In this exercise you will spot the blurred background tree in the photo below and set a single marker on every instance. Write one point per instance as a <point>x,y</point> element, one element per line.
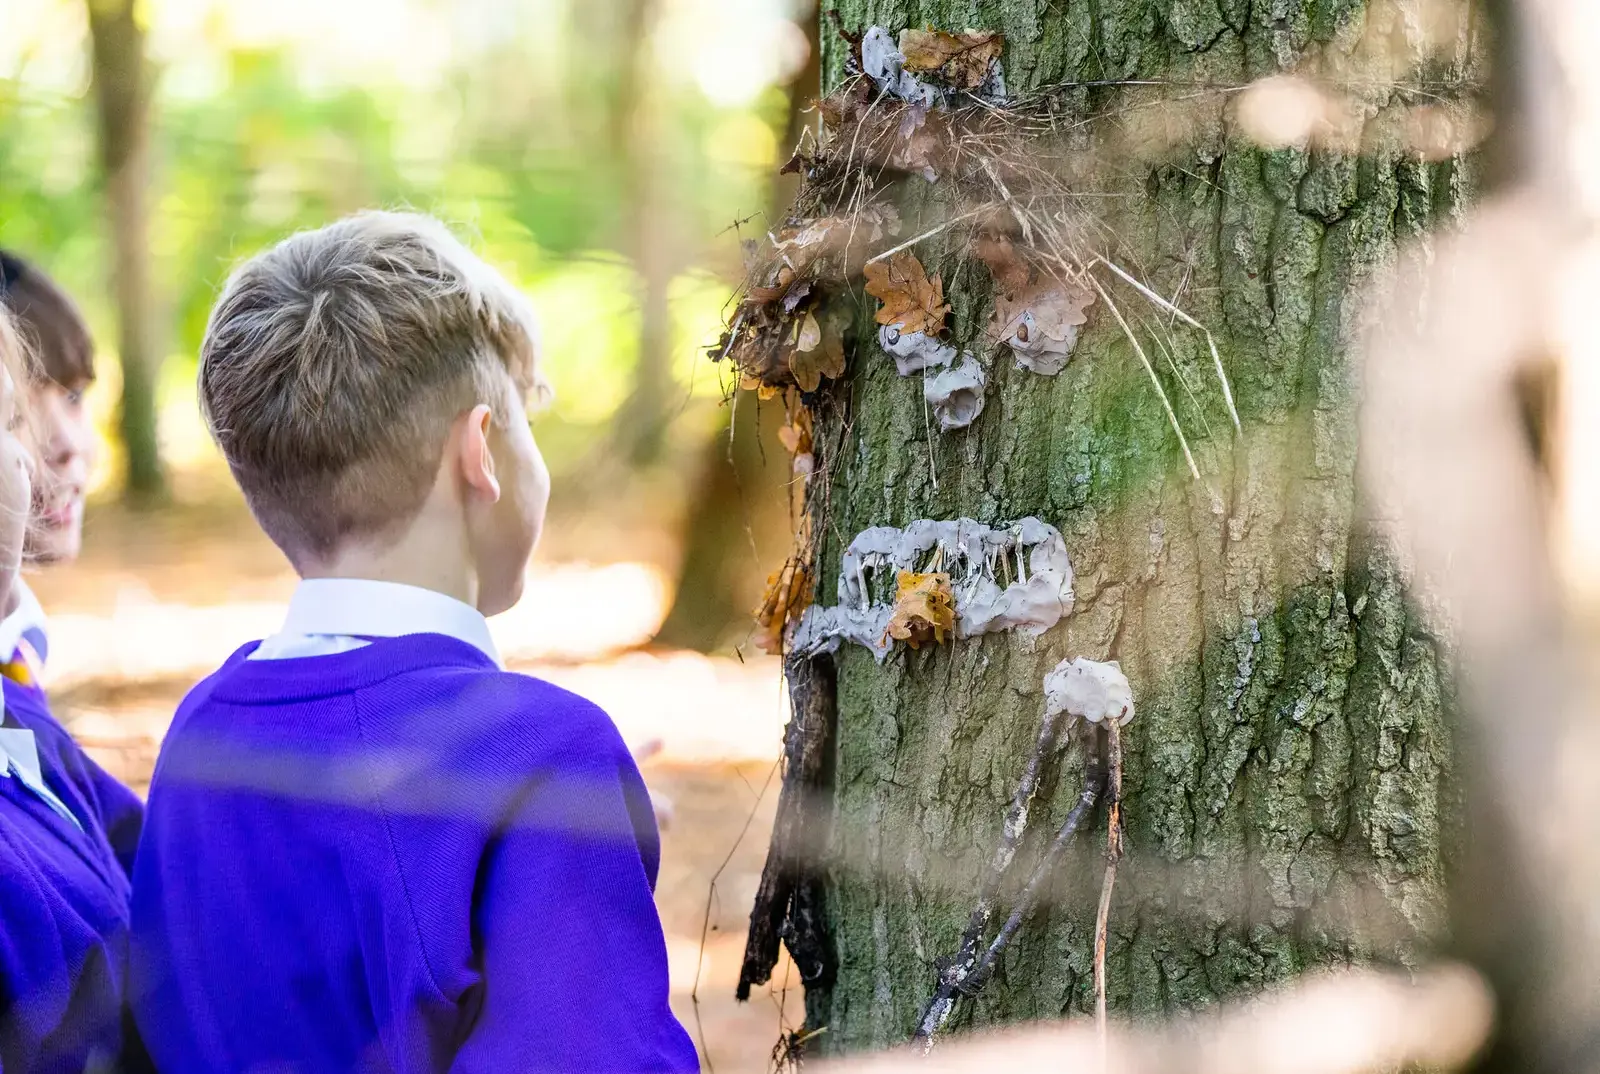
<point>122,90</point>
<point>609,155</point>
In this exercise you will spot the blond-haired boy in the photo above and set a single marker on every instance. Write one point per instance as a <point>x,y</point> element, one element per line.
<point>368,846</point>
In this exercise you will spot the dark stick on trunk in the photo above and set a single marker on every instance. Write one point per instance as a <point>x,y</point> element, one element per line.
<point>788,903</point>
<point>1011,831</point>
<point>970,982</point>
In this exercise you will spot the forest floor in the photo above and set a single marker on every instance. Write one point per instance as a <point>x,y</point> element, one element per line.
<point>159,599</point>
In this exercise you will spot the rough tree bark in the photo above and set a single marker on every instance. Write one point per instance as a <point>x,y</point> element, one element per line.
<point>122,85</point>
<point>1289,796</point>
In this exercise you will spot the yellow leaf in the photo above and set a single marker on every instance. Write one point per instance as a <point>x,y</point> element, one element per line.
<point>924,608</point>
<point>788,594</point>
<point>831,364</point>
<point>751,383</point>
<point>824,358</point>
<point>796,433</point>
<point>808,333</point>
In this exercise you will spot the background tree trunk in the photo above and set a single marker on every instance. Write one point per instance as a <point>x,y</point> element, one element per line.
<point>739,516</point>
<point>641,421</point>
<point>742,503</point>
<point>1289,790</point>
<point>122,86</point>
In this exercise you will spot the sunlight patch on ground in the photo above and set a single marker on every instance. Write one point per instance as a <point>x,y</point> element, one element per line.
<point>702,709</point>
<point>569,612</point>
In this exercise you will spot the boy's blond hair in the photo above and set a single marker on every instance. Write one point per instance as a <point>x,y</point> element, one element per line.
<point>335,363</point>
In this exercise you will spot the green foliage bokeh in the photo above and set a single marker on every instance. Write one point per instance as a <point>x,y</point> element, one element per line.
<point>517,145</point>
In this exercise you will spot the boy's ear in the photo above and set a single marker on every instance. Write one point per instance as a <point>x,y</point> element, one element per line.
<point>477,460</point>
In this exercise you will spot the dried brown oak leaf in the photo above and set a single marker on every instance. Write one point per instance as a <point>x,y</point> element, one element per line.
<point>918,145</point>
<point>1056,307</point>
<point>788,594</point>
<point>804,243</point>
<point>847,104</point>
<point>910,299</point>
<point>960,59</point>
<point>818,352</point>
<point>782,283</point>
<point>796,432</point>
<point>924,608</point>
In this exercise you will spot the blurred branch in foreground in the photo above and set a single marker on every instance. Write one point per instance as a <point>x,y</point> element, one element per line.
<point>1341,1023</point>
<point>1487,501</point>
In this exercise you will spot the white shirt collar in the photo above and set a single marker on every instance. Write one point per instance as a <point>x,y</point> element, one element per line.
<point>360,608</point>
<point>27,616</point>
<point>19,751</point>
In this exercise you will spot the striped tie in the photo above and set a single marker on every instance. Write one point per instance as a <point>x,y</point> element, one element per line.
<point>23,668</point>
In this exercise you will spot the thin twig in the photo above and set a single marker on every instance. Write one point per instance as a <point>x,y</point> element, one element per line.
<point>705,924</point>
<point>1113,855</point>
<point>1166,404</point>
<point>1016,210</point>
<point>1093,785</point>
<point>733,334</point>
<point>930,233</point>
<point>1216,358</point>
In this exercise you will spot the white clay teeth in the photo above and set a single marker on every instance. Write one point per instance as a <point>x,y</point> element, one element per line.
<point>1015,576</point>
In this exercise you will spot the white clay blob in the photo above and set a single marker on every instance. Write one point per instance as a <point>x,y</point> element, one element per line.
<point>913,351</point>
<point>1089,689</point>
<point>884,63</point>
<point>956,394</point>
<point>1040,353</point>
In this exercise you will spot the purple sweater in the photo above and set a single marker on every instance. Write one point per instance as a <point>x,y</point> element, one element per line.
<point>63,904</point>
<point>398,858</point>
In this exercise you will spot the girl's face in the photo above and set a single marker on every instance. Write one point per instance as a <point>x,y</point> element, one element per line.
<point>65,450</point>
<point>16,485</point>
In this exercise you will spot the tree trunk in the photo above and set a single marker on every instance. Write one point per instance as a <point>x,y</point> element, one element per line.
<point>734,533</point>
<point>1289,790</point>
<point>742,498</point>
<point>122,85</point>
<point>641,421</point>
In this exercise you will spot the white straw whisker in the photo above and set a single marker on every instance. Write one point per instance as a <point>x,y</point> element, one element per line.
<point>1183,441</point>
<point>1211,343</point>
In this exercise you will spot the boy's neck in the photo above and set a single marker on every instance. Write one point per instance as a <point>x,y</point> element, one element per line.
<point>417,559</point>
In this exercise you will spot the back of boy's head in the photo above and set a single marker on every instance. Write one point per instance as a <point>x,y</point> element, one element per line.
<point>59,346</point>
<point>335,363</point>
